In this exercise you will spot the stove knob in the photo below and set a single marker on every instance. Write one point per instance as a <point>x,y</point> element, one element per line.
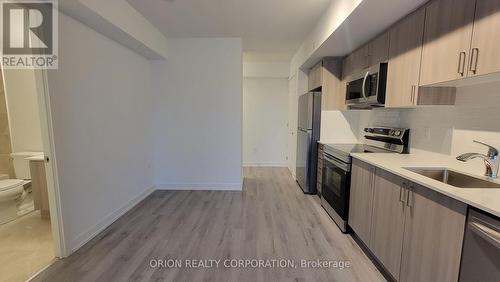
<point>397,133</point>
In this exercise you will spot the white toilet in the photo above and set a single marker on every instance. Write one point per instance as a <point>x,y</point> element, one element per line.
<point>11,190</point>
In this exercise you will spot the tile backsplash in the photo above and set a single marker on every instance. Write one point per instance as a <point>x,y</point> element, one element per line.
<point>451,130</point>
<point>448,130</point>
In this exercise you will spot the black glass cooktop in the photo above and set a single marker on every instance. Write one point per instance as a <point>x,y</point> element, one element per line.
<point>343,151</point>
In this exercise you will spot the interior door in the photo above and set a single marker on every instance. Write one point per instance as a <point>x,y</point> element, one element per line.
<point>447,37</point>
<point>388,217</point>
<point>485,38</point>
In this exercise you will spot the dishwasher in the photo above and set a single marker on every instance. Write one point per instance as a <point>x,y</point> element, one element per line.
<point>481,251</point>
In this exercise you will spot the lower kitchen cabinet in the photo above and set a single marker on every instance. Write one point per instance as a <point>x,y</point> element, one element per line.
<point>360,199</point>
<point>414,232</point>
<point>388,219</point>
<point>434,232</point>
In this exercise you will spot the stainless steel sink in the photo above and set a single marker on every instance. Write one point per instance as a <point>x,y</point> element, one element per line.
<point>454,178</point>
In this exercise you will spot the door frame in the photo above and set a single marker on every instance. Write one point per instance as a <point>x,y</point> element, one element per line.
<point>54,192</point>
<point>45,117</point>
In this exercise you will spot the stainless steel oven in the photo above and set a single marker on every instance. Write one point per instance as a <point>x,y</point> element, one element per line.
<point>336,167</point>
<point>366,88</point>
<point>335,189</point>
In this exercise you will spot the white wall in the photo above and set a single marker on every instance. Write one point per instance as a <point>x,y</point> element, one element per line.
<point>265,108</point>
<point>118,20</point>
<point>101,109</point>
<point>198,115</point>
<point>23,110</point>
<point>265,113</point>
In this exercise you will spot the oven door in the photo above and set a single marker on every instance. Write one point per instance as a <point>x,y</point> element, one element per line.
<point>335,188</point>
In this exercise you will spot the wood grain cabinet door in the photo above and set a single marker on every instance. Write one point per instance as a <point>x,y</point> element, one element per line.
<point>484,57</point>
<point>361,199</point>
<point>447,37</point>
<point>314,79</point>
<point>378,50</point>
<point>332,97</point>
<point>388,217</point>
<point>434,231</point>
<point>405,54</point>
<point>355,61</point>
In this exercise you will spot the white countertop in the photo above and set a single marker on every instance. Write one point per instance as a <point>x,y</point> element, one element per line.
<point>486,199</point>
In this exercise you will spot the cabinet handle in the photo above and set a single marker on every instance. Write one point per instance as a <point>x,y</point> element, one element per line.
<point>402,195</point>
<point>409,197</point>
<point>461,63</point>
<point>473,60</point>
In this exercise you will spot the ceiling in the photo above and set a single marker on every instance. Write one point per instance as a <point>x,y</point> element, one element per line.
<point>264,25</point>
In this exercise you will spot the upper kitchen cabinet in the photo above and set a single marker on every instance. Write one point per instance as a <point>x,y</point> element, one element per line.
<point>378,50</point>
<point>355,61</point>
<point>315,78</point>
<point>370,54</point>
<point>326,77</point>
<point>484,58</point>
<point>447,35</point>
<point>405,53</point>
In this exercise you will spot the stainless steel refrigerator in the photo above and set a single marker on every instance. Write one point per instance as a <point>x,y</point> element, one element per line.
<point>309,119</point>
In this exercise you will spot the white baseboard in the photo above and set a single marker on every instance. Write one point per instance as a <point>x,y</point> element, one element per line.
<point>107,220</point>
<point>264,165</point>
<point>201,187</point>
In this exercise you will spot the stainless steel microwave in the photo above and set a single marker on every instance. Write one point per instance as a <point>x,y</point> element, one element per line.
<point>366,89</point>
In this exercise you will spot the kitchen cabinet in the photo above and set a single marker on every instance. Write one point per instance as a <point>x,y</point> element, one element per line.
<point>378,50</point>
<point>387,225</point>
<point>370,54</point>
<point>447,36</point>
<point>314,81</point>
<point>332,97</point>
<point>405,53</point>
<point>415,233</point>
<point>326,77</point>
<point>484,57</point>
<point>360,199</point>
<point>355,61</point>
<point>434,232</point>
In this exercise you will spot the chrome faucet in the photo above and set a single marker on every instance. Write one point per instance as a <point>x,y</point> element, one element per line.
<point>490,159</point>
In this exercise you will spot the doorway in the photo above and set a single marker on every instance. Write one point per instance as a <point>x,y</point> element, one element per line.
<point>30,234</point>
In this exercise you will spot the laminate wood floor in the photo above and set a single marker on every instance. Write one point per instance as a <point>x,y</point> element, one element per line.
<point>270,219</point>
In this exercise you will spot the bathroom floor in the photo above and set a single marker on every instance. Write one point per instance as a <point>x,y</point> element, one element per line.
<point>26,247</point>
